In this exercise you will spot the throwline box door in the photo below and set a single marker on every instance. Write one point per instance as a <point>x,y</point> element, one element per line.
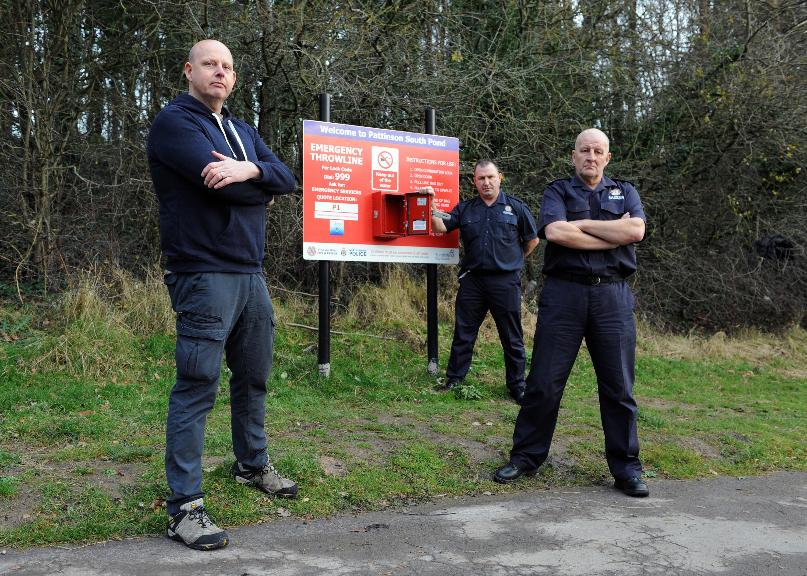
<point>397,214</point>
<point>418,214</point>
<point>389,214</point>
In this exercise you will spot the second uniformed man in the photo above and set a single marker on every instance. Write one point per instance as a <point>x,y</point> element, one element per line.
<point>498,232</point>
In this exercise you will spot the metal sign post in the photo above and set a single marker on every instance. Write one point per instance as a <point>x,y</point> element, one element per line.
<point>431,282</point>
<point>324,346</point>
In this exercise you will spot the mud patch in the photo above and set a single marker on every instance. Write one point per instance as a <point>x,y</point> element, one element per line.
<point>663,404</point>
<point>332,467</point>
<point>701,448</point>
<point>377,447</point>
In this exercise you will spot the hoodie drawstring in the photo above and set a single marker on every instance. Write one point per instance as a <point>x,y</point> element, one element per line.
<point>238,138</point>
<point>235,133</point>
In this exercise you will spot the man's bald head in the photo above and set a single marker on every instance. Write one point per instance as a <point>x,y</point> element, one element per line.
<point>591,155</point>
<point>201,46</point>
<point>210,73</point>
<point>590,134</point>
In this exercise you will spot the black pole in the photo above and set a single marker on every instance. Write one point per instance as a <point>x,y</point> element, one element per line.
<point>431,282</point>
<point>324,346</point>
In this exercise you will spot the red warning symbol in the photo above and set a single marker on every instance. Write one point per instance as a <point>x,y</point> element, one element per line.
<point>385,159</point>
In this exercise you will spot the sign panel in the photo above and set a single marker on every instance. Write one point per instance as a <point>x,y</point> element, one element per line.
<point>346,168</point>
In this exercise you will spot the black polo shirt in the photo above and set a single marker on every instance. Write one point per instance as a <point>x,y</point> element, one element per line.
<point>570,199</point>
<point>493,236</point>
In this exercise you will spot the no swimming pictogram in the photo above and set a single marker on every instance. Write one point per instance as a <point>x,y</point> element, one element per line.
<point>385,160</point>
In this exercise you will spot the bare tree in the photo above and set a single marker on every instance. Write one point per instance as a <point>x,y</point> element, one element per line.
<point>704,101</point>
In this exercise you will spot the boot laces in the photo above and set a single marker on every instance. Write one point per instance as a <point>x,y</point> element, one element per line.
<point>268,469</point>
<point>200,516</point>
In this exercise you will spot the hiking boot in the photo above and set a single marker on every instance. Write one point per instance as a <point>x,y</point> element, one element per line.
<point>193,527</point>
<point>267,479</point>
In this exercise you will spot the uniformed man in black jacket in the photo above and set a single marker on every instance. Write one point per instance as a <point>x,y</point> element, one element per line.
<point>498,232</point>
<point>590,223</point>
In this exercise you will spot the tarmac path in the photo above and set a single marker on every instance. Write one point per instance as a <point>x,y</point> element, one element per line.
<point>726,526</point>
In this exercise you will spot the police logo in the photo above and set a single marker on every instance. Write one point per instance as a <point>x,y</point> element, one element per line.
<point>508,209</point>
<point>615,194</point>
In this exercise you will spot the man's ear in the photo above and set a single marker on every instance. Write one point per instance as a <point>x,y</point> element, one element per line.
<point>187,69</point>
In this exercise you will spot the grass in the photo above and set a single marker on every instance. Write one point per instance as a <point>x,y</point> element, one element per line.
<point>84,383</point>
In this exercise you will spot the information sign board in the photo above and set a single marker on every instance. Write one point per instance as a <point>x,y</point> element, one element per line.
<point>344,166</point>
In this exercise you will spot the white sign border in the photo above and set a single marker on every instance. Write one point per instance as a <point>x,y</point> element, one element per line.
<point>379,253</point>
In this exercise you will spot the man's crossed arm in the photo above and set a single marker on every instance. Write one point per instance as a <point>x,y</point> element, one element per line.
<point>596,234</point>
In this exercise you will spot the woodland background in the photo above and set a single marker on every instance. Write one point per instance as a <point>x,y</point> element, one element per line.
<point>705,102</point>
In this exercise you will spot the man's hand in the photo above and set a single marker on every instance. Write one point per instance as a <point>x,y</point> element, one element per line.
<point>437,223</point>
<point>529,246</point>
<point>227,171</point>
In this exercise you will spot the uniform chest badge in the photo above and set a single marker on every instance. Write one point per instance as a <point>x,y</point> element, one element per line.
<point>508,209</point>
<point>615,194</point>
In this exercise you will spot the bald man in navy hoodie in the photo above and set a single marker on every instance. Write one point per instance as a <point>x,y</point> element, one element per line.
<point>214,177</point>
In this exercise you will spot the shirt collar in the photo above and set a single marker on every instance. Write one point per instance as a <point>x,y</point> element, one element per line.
<point>502,199</point>
<point>606,182</point>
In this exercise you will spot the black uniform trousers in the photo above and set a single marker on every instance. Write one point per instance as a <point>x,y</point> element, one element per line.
<point>499,293</point>
<point>603,315</point>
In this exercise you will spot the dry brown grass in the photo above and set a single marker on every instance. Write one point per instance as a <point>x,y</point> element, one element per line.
<point>117,298</point>
<point>103,309</point>
<point>399,301</point>
<point>750,346</point>
<point>97,318</point>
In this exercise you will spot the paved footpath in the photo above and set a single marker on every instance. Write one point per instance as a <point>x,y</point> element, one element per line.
<point>727,526</point>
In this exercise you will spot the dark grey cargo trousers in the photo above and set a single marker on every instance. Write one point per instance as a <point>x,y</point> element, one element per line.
<point>217,313</point>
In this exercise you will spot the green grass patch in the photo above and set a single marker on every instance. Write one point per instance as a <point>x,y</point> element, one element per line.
<point>8,486</point>
<point>8,459</point>
<point>665,457</point>
<point>86,385</point>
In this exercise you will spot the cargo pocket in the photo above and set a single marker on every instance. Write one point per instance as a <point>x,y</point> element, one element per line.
<point>200,346</point>
<point>170,280</point>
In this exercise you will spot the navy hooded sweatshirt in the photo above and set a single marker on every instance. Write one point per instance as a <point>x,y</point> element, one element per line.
<point>203,229</point>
